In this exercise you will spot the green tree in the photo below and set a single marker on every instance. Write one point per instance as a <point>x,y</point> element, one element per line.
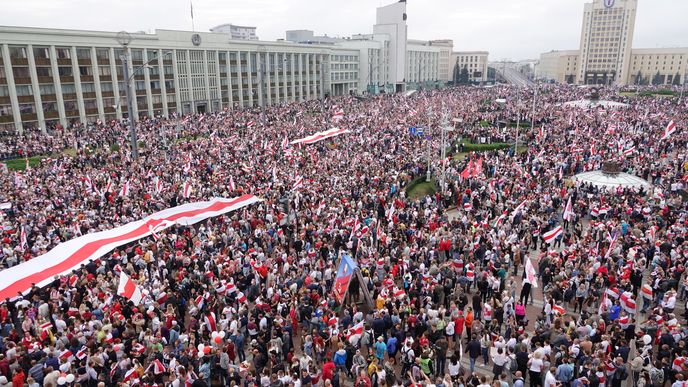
<point>677,80</point>
<point>464,75</point>
<point>658,79</point>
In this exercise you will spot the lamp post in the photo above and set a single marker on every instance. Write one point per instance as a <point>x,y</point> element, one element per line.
<point>518,122</point>
<point>123,38</point>
<point>428,139</point>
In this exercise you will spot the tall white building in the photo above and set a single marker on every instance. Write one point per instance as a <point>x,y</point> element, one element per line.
<point>391,22</point>
<point>236,32</point>
<point>605,41</point>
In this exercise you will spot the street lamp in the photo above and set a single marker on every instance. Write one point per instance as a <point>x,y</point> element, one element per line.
<point>123,38</point>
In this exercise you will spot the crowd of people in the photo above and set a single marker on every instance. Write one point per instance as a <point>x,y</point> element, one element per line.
<point>472,285</point>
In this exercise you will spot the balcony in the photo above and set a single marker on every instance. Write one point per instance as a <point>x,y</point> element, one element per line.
<point>22,81</point>
<point>108,94</point>
<point>64,61</point>
<point>48,98</point>
<point>90,95</point>
<point>108,109</point>
<point>20,61</point>
<point>69,96</point>
<point>87,78</point>
<point>51,114</point>
<point>103,61</point>
<point>5,119</point>
<point>156,91</point>
<point>85,62</point>
<point>92,111</point>
<point>48,80</point>
<point>66,79</point>
<point>42,61</point>
<point>5,100</point>
<point>72,113</point>
<point>25,98</point>
<point>29,117</point>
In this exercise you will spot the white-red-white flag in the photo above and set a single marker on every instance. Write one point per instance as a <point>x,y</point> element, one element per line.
<point>531,274</point>
<point>232,186</point>
<point>124,191</point>
<point>670,129</point>
<point>128,289</point>
<point>552,234</point>
<point>186,190</point>
<point>23,244</point>
<point>568,211</point>
<point>298,183</point>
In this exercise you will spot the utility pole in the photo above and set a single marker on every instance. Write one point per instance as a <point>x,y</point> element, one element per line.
<point>443,152</point>
<point>429,140</point>
<point>532,116</point>
<point>518,123</point>
<point>124,39</point>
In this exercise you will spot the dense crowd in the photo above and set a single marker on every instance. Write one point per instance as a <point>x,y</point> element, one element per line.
<point>444,295</point>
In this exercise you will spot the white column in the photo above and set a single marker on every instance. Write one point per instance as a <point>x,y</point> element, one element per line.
<point>119,99</point>
<point>219,77</point>
<point>95,67</point>
<point>146,79</point>
<point>16,114</point>
<point>292,60</point>
<point>268,78</point>
<point>58,87</point>
<point>276,69</point>
<point>250,77</point>
<point>192,98</point>
<point>206,76</point>
<point>36,90</point>
<point>241,81</point>
<point>284,77</point>
<point>77,85</point>
<point>230,96</point>
<point>307,67</point>
<point>301,65</point>
<point>177,87</point>
<point>163,87</point>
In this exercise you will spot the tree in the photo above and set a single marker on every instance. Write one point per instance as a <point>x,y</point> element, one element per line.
<point>677,79</point>
<point>457,72</point>
<point>464,75</point>
<point>658,79</point>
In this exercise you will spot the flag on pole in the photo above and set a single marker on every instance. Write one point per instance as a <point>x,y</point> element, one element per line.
<point>670,129</point>
<point>128,289</point>
<point>568,211</point>
<point>232,186</point>
<point>124,191</point>
<point>187,189</point>
<point>531,274</point>
<point>298,183</point>
<point>23,244</point>
<point>344,274</point>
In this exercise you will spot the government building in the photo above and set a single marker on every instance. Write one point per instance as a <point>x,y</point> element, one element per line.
<point>52,76</point>
<point>605,55</point>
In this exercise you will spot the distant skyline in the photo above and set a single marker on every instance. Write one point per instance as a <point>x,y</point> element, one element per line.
<point>508,29</point>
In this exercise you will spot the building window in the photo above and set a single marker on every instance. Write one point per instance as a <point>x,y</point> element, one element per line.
<point>47,89</point>
<point>17,52</point>
<point>63,53</point>
<point>83,53</point>
<point>41,53</point>
<point>102,53</point>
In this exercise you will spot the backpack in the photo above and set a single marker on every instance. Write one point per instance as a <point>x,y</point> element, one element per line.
<point>621,373</point>
<point>512,365</point>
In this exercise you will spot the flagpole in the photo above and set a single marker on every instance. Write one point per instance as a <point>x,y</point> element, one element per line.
<point>193,28</point>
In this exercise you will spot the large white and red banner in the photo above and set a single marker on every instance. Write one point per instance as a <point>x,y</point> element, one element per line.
<point>70,255</point>
<point>320,136</point>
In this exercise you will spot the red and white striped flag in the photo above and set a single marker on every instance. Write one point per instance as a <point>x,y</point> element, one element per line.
<point>108,186</point>
<point>186,190</point>
<point>124,191</point>
<point>670,129</point>
<point>157,185</point>
<point>298,183</point>
<point>552,234</point>
<point>232,186</point>
<point>241,297</point>
<point>558,309</point>
<point>646,291</point>
<point>568,211</point>
<point>128,289</point>
<point>66,355</point>
<point>23,243</point>
<point>82,353</point>
<point>157,366</point>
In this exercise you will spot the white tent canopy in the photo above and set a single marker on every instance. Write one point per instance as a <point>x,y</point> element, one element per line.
<point>601,179</point>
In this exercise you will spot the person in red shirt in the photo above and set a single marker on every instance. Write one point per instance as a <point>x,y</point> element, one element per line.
<point>363,380</point>
<point>19,378</point>
<point>459,323</point>
<point>328,370</point>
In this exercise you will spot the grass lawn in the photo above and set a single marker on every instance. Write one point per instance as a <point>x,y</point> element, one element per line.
<point>422,189</point>
<point>20,164</point>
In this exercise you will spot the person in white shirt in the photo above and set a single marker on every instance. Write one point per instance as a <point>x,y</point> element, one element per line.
<point>550,380</point>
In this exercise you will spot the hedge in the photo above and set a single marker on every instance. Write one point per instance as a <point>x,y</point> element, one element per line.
<point>20,164</point>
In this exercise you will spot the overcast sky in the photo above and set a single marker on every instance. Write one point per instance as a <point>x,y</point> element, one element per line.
<point>514,29</point>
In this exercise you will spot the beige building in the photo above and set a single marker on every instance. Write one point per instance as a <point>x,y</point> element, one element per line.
<point>605,55</point>
<point>658,66</point>
<point>475,62</point>
<point>446,67</point>
<point>605,41</point>
<point>558,66</point>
